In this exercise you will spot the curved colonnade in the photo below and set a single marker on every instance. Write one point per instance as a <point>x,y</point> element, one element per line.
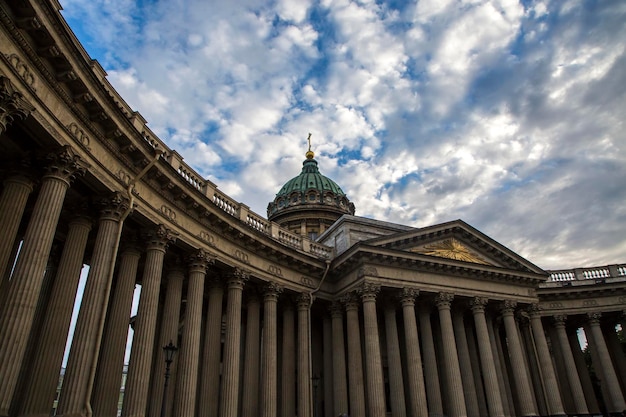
<point>267,322</point>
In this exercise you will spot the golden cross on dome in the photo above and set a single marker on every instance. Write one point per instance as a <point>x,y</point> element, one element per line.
<point>309,140</point>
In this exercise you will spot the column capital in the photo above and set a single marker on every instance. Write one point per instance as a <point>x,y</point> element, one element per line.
<point>350,301</point>
<point>559,320</point>
<point>507,307</point>
<point>368,291</point>
<point>159,238</point>
<point>594,318</point>
<point>534,311</point>
<point>200,261</point>
<point>478,304</point>
<point>444,300</point>
<point>303,301</point>
<point>271,291</point>
<point>237,278</point>
<point>336,309</point>
<point>13,105</point>
<point>64,164</point>
<point>113,206</point>
<point>408,295</point>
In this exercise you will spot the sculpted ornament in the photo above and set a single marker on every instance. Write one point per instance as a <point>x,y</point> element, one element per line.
<point>65,163</point>
<point>13,106</point>
<point>369,271</point>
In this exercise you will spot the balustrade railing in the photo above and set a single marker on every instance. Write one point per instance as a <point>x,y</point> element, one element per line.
<point>593,273</point>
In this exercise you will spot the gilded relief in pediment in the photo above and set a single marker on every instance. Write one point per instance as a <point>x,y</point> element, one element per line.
<point>451,249</point>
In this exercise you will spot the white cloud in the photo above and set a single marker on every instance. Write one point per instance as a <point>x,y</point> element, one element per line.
<point>507,115</point>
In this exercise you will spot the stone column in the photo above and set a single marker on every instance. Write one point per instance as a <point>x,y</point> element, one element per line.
<point>210,380</point>
<point>48,356</point>
<point>327,382</point>
<point>501,371</point>
<point>22,295</point>
<point>578,395</point>
<point>356,390</point>
<point>532,365</point>
<point>548,375</point>
<point>89,326</point>
<point>451,358</point>
<point>615,403</point>
<point>139,368</point>
<point>467,376</point>
<point>189,359</point>
<point>431,372</point>
<point>520,376</point>
<point>106,393</point>
<point>487,360</point>
<point>373,360</point>
<point>416,391</point>
<point>250,397</point>
<point>476,370</point>
<point>303,352</point>
<point>13,200</point>
<point>553,396</point>
<point>616,352</point>
<point>340,383</point>
<point>288,379</point>
<point>229,401</point>
<point>396,382</point>
<point>170,321</point>
<point>269,361</point>
<point>583,370</point>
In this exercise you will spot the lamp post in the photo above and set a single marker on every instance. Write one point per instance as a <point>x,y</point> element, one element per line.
<point>169,351</point>
<point>316,382</point>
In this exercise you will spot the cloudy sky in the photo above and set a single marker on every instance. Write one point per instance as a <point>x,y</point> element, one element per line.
<point>508,115</point>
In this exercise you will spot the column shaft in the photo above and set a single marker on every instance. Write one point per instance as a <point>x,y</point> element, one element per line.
<point>616,400</point>
<point>210,381</point>
<point>417,392</point>
<point>373,360</point>
<point>48,356</point>
<point>304,402</point>
<point>520,376</point>
<point>356,389</point>
<point>189,359</point>
<point>22,294</point>
<point>340,383</point>
<point>396,382</point>
<point>431,372</point>
<point>139,368</point>
<point>250,400</point>
<point>229,401</point>
<point>111,363</point>
<point>269,361</point>
<point>578,395</point>
<point>13,200</point>
<point>327,382</point>
<point>583,370</point>
<point>452,368</point>
<point>288,379</point>
<point>467,377</point>
<point>79,372</point>
<point>553,396</point>
<point>487,360</point>
<point>168,332</point>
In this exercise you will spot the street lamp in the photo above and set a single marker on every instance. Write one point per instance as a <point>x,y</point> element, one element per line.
<point>316,383</point>
<point>169,351</point>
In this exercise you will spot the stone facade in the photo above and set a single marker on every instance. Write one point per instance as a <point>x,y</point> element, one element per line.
<point>373,319</point>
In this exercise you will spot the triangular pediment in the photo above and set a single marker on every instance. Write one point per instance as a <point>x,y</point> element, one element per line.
<point>451,248</point>
<point>456,241</point>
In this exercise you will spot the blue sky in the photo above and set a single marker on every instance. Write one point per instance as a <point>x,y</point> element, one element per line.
<point>508,115</point>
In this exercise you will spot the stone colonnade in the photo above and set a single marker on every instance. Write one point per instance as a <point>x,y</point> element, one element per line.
<point>246,346</point>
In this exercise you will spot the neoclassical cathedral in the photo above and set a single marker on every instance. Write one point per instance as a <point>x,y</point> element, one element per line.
<point>310,312</point>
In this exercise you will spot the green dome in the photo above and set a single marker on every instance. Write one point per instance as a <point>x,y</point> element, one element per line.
<point>310,191</point>
<point>310,178</point>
